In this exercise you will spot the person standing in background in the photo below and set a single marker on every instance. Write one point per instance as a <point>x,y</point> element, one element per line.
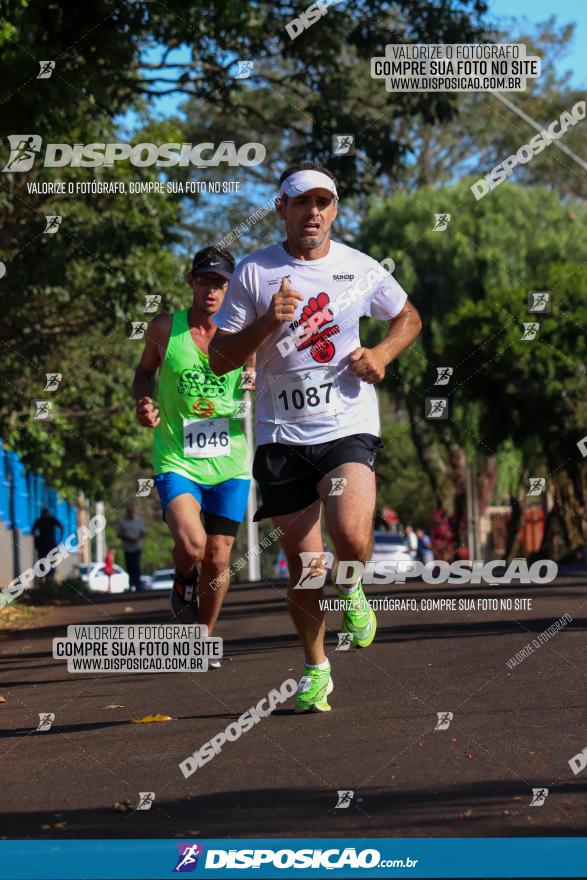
<point>412,540</point>
<point>425,554</point>
<point>131,531</point>
<point>109,566</point>
<point>44,532</point>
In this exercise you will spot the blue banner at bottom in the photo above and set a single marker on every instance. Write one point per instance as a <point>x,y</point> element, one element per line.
<point>471,857</point>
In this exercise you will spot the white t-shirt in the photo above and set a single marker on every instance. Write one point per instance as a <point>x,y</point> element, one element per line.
<point>306,392</point>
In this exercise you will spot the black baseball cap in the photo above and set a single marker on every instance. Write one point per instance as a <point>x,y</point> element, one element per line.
<point>212,263</point>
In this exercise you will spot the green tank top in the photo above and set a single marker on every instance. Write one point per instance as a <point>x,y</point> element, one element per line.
<point>190,395</point>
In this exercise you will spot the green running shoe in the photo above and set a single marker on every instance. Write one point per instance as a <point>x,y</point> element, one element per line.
<point>313,689</point>
<point>358,617</point>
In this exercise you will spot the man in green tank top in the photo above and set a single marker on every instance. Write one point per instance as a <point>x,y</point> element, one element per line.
<point>200,456</point>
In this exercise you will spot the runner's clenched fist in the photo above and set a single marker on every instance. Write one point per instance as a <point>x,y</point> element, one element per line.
<point>368,365</point>
<point>284,303</point>
<point>146,413</point>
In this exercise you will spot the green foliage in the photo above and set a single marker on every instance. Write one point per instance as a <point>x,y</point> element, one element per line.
<point>69,300</point>
<point>69,591</point>
<point>401,483</point>
<point>470,284</point>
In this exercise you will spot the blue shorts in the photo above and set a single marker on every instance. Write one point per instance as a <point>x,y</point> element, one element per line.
<point>224,501</point>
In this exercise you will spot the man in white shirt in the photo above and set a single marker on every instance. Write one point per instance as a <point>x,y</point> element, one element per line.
<point>298,305</point>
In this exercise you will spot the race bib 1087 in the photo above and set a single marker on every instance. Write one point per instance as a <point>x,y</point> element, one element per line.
<point>305,393</point>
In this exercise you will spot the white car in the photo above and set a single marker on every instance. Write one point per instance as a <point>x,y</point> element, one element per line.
<point>93,575</point>
<point>387,546</point>
<point>160,580</point>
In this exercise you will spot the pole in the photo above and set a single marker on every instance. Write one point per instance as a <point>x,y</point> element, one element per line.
<point>472,512</point>
<point>84,552</point>
<point>252,527</point>
<point>100,537</point>
<point>476,542</point>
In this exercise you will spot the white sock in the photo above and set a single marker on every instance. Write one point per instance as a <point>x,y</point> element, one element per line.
<point>324,665</point>
<point>347,590</point>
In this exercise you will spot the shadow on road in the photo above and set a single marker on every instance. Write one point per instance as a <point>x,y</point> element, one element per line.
<point>482,808</point>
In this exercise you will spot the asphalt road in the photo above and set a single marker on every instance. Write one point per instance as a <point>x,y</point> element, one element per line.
<point>512,729</point>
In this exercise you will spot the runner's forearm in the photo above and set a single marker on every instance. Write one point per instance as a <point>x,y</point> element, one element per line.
<point>229,351</point>
<point>143,384</point>
<point>400,335</point>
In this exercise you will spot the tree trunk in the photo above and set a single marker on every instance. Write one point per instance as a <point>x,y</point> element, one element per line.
<point>434,462</point>
<point>518,506</point>
<point>570,494</point>
<point>486,480</point>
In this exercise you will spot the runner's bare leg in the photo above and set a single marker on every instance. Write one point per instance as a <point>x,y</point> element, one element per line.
<point>193,545</point>
<point>183,518</point>
<point>349,516</point>
<point>302,532</point>
<point>215,565</point>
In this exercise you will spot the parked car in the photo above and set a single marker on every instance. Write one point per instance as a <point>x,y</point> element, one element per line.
<point>146,581</point>
<point>95,577</point>
<point>388,545</point>
<point>161,580</point>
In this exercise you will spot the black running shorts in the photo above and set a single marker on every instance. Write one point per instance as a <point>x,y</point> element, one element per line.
<point>288,474</point>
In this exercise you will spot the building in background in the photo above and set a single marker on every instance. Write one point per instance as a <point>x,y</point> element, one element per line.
<point>22,497</point>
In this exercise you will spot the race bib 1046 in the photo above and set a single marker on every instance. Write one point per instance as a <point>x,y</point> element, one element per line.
<point>205,438</point>
<point>306,393</point>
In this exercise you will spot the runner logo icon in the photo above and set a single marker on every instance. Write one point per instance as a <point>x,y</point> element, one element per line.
<point>23,149</point>
<point>188,854</point>
<point>314,569</point>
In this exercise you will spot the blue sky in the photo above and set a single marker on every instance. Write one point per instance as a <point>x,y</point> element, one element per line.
<point>540,10</point>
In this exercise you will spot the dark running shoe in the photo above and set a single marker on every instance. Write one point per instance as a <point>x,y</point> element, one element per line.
<point>184,596</point>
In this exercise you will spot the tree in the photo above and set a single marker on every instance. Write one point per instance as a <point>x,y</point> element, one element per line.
<point>483,132</point>
<point>471,285</point>
<point>400,481</point>
<point>68,299</point>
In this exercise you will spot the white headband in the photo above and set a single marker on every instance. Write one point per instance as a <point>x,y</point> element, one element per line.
<point>301,181</point>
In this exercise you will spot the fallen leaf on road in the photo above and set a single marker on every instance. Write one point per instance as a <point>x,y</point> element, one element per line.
<point>149,718</point>
<point>2,699</point>
<point>114,706</point>
<point>517,797</point>
<point>54,826</point>
<point>128,608</point>
<point>469,755</point>
<point>123,806</point>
